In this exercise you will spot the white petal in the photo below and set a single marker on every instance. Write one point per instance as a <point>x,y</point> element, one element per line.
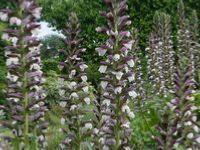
<point>102,69</point>
<point>87,100</point>
<point>104,84</point>
<point>132,94</point>
<point>84,78</point>
<point>131,63</point>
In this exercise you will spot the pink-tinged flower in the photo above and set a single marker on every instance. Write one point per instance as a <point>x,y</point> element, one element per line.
<point>15,21</point>
<point>101,51</point>
<point>129,45</point>
<point>5,36</point>
<point>37,12</point>
<point>83,67</point>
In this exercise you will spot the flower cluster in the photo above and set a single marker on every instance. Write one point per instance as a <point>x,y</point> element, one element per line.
<point>179,127</point>
<point>25,94</point>
<point>161,55</point>
<point>118,76</point>
<point>76,101</point>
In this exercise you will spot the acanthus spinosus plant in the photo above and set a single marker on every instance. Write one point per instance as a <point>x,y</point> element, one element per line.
<point>25,94</point>
<point>195,45</point>
<point>163,56</point>
<point>139,82</point>
<point>76,101</point>
<point>186,48</point>
<point>118,77</point>
<point>179,127</point>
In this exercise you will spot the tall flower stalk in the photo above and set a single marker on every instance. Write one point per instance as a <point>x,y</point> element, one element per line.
<point>139,82</point>
<point>25,94</point>
<point>195,45</point>
<point>118,77</point>
<point>76,101</point>
<point>186,48</point>
<point>161,54</point>
<point>179,127</point>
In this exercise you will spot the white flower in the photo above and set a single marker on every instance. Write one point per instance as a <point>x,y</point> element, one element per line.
<point>63,104</point>
<point>36,88</point>
<point>87,100</point>
<point>131,114</point>
<point>3,16</point>
<point>125,108</point>
<point>72,73</point>
<point>74,95</point>
<point>188,123</point>
<point>5,36</point>
<point>196,129</point>
<point>190,135</point>
<point>102,69</point>
<point>104,84</point>
<point>131,63</point>
<point>193,108</point>
<point>127,148</point>
<point>1,113</point>
<point>37,12</point>
<point>96,131</point>
<point>12,61</point>
<point>73,107</point>
<point>12,78</point>
<point>118,90</point>
<point>85,89</point>
<point>188,113</point>
<point>84,78</point>
<point>101,51</point>
<point>13,99</point>
<point>88,126</point>
<point>15,21</point>
<point>132,94</point>
<point>194,118</point>
<point>106,102</point>
<point>72,85</point>
<point>61,92</point>
<point>14,40</point>
<point>35,67</point>
<point>62,121</point>
<point>198,139</point>
<point>83,67</point>
<point>131,78</point>
<point>119,75</point>
<point>116,57</point>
